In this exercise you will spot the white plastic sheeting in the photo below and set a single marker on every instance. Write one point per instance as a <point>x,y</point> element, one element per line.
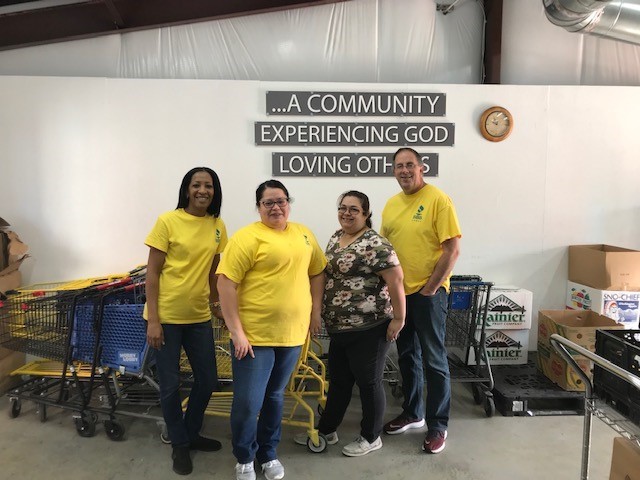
<point>397,41</point>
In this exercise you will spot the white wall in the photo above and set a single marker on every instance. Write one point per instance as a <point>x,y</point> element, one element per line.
<point>88,164</point>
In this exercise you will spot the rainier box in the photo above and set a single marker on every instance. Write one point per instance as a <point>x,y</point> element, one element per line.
<point>604,267</point>
<point>509,308</point>
<point>504,347</point>
<point>623,306</point>
<point>579,326</point>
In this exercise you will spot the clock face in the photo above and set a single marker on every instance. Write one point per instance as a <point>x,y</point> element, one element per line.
<point>497,124</point>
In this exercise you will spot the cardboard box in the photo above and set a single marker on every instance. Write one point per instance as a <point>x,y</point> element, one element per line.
<point>604,267</point>
<point>8,365</point>
<point>504,347</point>
<point>509,308</point>
<point>625,460</point>
<point>11,281</point>
<point>620,305</point>
<point>579,326</point>
<point>556,369</point>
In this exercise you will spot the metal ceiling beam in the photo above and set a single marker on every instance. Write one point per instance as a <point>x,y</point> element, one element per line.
<point>492,41</point>
<point>102,17</point>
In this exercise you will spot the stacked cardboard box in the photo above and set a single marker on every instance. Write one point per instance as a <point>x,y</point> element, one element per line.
<point>579,327</point>
<point>605,279</point>
<point>508,326</point>
<point>12,253</point>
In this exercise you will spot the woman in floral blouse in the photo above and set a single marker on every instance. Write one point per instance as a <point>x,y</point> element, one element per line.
<point>364,311</point>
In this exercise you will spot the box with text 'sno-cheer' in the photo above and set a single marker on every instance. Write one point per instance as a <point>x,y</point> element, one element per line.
<point>509,308</point>
<point>623,306</point>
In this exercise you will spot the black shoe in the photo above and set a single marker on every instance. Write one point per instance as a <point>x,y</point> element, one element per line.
<point>205,444</point>
<point>182,460</point>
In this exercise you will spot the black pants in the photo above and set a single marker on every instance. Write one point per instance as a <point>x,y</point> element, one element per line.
<point>357,357</point>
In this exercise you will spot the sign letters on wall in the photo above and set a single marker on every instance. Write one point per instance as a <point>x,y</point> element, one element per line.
<point>352,134</point>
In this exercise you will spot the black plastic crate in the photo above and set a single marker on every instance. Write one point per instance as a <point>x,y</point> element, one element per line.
<point>622,348</point>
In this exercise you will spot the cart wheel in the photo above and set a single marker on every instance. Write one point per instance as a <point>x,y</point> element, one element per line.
<point>42,412</point>
<point>321,447</point>
<point>16,406</point>
<point>320,409</point>
<point>85,427</point>
<point>477,394</point>
<point>489,407</point>
<point>396,391</point>
<point>114,429</point>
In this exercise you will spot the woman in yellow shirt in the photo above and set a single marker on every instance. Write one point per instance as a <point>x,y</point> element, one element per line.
<point>184,250</point>
<point>270,283</point>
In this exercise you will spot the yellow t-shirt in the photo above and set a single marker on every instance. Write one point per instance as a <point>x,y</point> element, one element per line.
<point>272,270</point>
<point>190,243</point>
<point>416,225</point>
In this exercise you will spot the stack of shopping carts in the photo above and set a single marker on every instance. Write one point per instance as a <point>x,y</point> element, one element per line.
<point>93,337</point>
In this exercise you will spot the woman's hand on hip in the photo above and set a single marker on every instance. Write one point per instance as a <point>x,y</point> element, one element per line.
<point>242,346</point>
<point>393,330</point>
<point>155,335</point>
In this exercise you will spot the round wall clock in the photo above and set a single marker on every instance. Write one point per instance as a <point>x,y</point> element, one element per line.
<point>496,124</point>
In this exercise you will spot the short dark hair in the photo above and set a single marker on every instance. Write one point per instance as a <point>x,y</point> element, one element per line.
<point>269,184</point>
<point>364,203</point>
<point>183,194</point>
<point>407,149</point>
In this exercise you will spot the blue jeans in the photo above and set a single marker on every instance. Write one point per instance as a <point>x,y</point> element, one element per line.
<point>357,357</point>
<point>258,389</point>
<point>421,343</point>
<point>197,341</point>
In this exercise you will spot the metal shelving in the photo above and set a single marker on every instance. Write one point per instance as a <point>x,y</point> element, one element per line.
<point>594,407</point>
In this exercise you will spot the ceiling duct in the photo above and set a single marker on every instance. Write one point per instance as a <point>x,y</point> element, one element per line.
<point>617,19</point>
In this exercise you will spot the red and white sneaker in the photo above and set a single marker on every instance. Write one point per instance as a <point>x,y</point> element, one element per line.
<point>434,442</point>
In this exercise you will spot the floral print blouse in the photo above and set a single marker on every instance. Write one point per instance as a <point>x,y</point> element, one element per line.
<point>355,296</point>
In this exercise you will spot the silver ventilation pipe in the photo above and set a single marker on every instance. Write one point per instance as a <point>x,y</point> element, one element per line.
<point>617,19</point>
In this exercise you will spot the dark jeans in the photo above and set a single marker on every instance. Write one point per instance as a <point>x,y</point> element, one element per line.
<point>258,389</point>
<point>357,357</point>
<point>421,343</point>
<point>197,341</point>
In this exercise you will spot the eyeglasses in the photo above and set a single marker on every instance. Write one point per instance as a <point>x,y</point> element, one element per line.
<point>351,210</point>
<point>281,202</point>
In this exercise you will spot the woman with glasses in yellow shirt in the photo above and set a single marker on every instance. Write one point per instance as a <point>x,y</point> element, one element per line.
<point>270,284</point>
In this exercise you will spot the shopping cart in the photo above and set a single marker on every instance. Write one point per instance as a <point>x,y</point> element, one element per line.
<point>297,411</point>
<point>99,326</point>
<point>465,338</point>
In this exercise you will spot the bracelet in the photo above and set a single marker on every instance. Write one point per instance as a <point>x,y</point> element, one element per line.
<point>215,305</point>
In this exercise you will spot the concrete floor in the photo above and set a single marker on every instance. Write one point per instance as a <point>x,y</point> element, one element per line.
<point>497,448</point>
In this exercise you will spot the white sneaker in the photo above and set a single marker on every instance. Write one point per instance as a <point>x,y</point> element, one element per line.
<point>273,470</point>
<point>245,471</point>
<point>361,447</point>
<point>302,438</point>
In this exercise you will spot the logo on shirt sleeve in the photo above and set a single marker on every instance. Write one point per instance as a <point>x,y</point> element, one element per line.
<point>417,217</point>
<point>306,239</point>
<point>218,235</point>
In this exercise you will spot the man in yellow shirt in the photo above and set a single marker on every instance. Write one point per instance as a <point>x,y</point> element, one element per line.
<point>422,225</point>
